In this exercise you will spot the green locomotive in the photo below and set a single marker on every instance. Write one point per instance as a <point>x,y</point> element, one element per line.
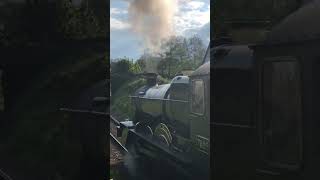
<point>173,119</point>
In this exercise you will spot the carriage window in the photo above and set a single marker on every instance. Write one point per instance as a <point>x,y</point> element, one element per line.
<point>282,112</point>
<point>197,100</point>
<point>1,92</point>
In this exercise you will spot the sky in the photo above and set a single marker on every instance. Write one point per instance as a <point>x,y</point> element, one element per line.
<point>192,18</point>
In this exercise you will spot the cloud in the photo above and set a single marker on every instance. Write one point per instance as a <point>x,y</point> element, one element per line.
<point>117,11</point>
<point>116,24</point>
<point>191,15</point>
<point>194,5</point>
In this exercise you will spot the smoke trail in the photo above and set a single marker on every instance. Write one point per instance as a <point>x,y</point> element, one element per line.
<point>152,20</point>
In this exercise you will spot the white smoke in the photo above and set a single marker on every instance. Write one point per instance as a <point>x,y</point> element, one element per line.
<point>152,20</point>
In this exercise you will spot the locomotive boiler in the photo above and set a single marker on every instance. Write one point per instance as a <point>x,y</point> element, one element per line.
<point>167,103</point>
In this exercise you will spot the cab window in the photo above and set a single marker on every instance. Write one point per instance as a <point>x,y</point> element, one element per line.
<point>1,92</point>
<point>197,98</point>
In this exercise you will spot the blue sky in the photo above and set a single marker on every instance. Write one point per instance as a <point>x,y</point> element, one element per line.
<point>192,18</point>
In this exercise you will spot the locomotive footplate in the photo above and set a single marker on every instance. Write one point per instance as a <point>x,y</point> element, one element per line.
<point>124,125</point>
<point>146,146</point>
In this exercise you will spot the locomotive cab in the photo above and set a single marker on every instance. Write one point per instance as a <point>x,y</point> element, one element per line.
<point>199,115</point>
<point>176,110</point>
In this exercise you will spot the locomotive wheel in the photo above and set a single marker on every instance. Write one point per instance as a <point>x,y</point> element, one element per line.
<point>144,129</point>
<point>162,134</point>
<point>162,140</point>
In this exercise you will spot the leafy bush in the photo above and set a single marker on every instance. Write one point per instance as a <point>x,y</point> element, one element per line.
<point>120,100</point>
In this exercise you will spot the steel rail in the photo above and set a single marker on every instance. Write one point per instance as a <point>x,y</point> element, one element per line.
<point>114,120</point>
<point>113,138</point>
<point>118,143</point>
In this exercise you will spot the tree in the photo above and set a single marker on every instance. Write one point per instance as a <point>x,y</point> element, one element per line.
<point>176,54</point>
<point>179,53</point>
<point>196,50</point>
<point>77,23</point>
<point>141,63</point>
<point>121,67</point>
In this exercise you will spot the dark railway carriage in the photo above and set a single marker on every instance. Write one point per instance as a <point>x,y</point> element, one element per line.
<point>265,102</point>
<point>288,74</point>
<point>233,127</point>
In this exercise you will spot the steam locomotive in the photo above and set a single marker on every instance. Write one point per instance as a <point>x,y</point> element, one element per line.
<point>264,113</point>
<point>173,118</point>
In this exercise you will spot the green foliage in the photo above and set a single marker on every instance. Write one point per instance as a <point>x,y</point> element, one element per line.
<point>122,70</point>
<point>180,53</point>
<point>115,174</point>
<point>42,137</point>
<point>77,23</point>
<point>126,66</point>
<point>122,66</point>
<point>45,21</point>
<point>162,80</point>
<point>142,64</point>
<point>120,100</point>
<point>135,68</point>
<point>134,85</point>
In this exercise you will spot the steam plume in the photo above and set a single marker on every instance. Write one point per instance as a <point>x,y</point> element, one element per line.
<point>153,20</point>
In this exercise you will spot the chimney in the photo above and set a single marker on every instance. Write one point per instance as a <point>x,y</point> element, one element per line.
<point>151,78</point>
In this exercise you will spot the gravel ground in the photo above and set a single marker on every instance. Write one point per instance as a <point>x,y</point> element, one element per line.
<point>115,155</point>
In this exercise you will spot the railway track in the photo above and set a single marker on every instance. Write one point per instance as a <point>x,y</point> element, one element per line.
<point>113,135</point>
<point>118,143</point>
<point>114,120</point>
<point>117,150</point>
